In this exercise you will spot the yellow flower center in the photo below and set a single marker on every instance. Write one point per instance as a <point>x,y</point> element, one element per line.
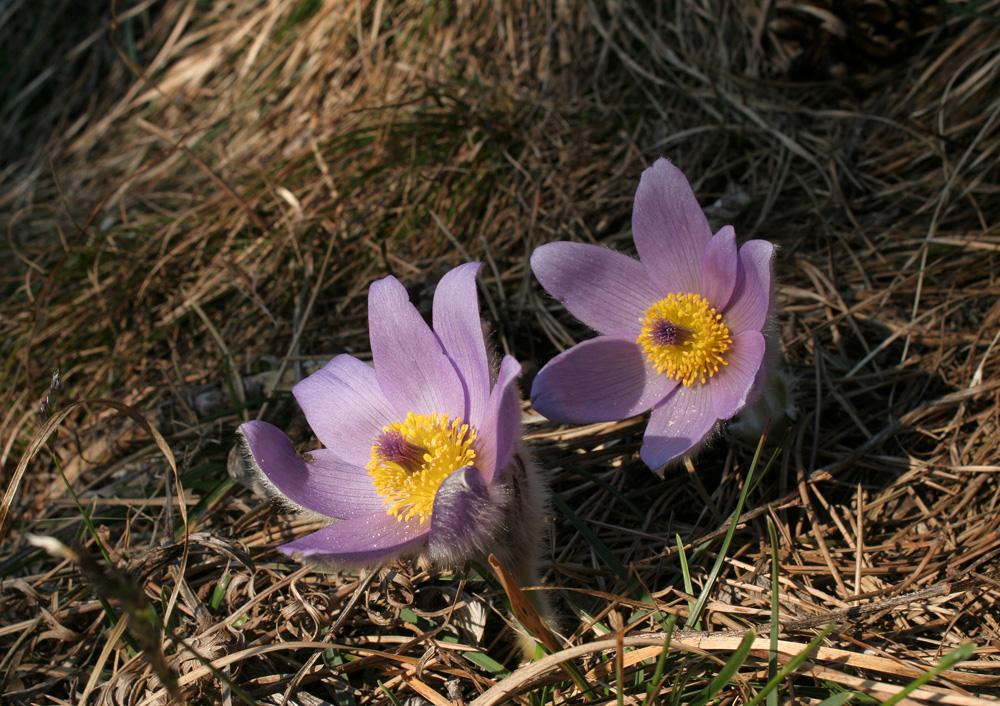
<point>684,339</point>
<point>410,460</point>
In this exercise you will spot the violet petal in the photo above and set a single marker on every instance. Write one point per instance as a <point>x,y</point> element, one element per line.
<point>606,290</point>
<point>457,324</point>
<point>410,364</point>
<point>464,519</point>
<point>677,425</point>
<point>501,429</point>
<point>603,379</point>
<point>731,385</point>
<point>752,296</point>
<point>327,484</point>
<point>718,269</point>
<point>360,542</point>
<point>670,229</point>
<point>345,407</point>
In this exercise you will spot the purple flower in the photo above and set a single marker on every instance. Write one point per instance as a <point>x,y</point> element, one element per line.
<point>421,454</point>
<point>681,327</point>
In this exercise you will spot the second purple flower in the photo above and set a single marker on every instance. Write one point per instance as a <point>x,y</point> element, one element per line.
<point>682,327</point>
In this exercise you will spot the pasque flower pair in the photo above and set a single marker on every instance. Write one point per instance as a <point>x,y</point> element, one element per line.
<point>422,453</point>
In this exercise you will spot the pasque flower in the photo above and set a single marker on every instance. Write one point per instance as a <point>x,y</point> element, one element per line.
<point>681,326</point>
<point>421,454</point>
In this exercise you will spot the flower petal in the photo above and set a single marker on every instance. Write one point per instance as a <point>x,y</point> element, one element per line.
<point>457,324</point>
<point>600,380</point>
<point>501,428</point>
<point>677,426</point>
<point>410,364</point>
<point>670,229</point>
<point>465,519</point>
<point>731,385</point>
<point>327,484</point>
<point>718,269</point>
<point>345,407</point>
<point>606,290</point>
<point>752,296</point>
<point>359,542</point>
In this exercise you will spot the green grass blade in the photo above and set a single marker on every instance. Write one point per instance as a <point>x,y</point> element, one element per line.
<point>724,550</point>
<point>686,575</point>
<point>790,668</point>
<point>772,655</point>
<point>586,617</point>
<point>620,679</point>
<point>83,514</point>
<point>392,699</point>
<point>484,661</point>
<point>653,687</point>
<point>685,570</point>
<point>219,592</point>
<point>947,662</point>
<point>109,612</point>
<point>219,491</point>
<point>727,672</point>
<point>480,659</point>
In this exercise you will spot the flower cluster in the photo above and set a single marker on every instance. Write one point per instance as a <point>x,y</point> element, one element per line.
<point>421,451</point>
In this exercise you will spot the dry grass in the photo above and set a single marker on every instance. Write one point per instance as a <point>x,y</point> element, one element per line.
<point>197,194</point>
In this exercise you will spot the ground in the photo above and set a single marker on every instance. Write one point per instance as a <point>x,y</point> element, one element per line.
<point>196,197</point>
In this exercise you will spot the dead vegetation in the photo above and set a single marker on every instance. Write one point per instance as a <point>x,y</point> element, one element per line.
<point>196,196</point>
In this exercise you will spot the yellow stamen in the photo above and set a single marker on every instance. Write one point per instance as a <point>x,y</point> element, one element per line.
<point>684,338</point>
<point>410,460</point>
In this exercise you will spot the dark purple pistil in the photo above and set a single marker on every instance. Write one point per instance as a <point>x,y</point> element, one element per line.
<point>394,448</point>
<point>667,333</point>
